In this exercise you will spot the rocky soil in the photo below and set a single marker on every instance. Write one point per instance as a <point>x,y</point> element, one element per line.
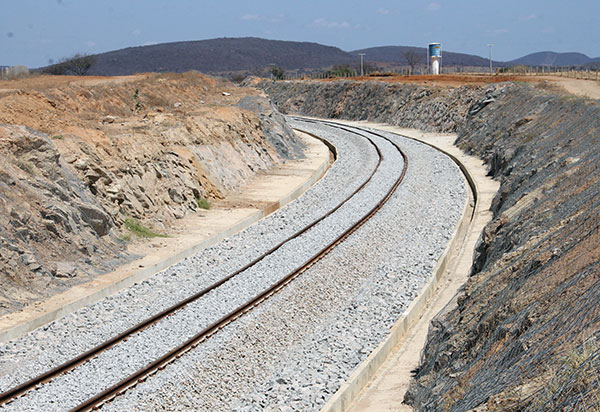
<point>80,156</point>
<point>523,332</point>
<point>407,105</point>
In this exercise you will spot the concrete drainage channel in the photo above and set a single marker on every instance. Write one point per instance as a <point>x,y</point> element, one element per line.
<point>450,272</point>
<point>296,349</point>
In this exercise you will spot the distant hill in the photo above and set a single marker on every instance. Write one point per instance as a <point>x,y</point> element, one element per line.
<point>549,58</point>
<point>254,55</point>
<point>218,55</point>
<point>395,54</point>
<point>222,55</point>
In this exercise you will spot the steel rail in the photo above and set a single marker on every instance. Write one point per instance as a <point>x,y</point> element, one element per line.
<point>466,173</point>
<point>141,375</point>
<point>45,377</point>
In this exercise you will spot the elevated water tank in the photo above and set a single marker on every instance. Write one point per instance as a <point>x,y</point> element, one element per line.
<point>434,57</point>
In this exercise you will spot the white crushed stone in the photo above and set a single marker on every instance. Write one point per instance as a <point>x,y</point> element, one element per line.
<point>294,351</point>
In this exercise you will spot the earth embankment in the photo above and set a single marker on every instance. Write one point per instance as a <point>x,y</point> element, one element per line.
<point>82,159</point>
<point>406,105</point>
<point>522,334</point>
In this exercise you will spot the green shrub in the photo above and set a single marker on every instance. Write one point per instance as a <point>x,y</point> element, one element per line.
<point>203,203</point>
<point>135,227</point>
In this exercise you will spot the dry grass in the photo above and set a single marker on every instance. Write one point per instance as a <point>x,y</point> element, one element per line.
<point>135,227</point>
<point>576,381</point>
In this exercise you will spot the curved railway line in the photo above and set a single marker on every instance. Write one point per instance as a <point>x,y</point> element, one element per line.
<point>142,374</point>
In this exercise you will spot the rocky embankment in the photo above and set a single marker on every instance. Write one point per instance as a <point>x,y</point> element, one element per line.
<point>406,105</point>
<point>522,334</point>
<point>80,157</point>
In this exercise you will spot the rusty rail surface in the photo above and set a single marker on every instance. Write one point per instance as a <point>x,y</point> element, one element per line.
<point>23,388</point>
<point>150,369</point>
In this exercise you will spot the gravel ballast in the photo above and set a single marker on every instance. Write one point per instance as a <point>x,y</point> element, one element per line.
<point>61,340</point>
<point>336,312</point>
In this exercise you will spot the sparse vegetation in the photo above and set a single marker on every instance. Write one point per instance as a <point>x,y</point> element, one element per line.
<point>139,230</point>
<point>341,71</point>
<point>125,237</point>
<point>412,58</point>
<point>575,381</point>
<point>78,64</point>
<point>277,72</point>
<point>136,99</point>
<point>203,203</point>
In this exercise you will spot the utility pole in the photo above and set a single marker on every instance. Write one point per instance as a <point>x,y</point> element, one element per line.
<point>490,46</point>
<point>271,67</point>
<point>362,63</point>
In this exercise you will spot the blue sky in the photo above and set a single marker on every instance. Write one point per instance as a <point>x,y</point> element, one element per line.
<point>34,32</point>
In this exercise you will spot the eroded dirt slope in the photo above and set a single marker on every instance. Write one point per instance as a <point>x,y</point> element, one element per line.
<point>80,156</point>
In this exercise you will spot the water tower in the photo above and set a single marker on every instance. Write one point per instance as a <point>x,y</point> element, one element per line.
<point>434,57</point>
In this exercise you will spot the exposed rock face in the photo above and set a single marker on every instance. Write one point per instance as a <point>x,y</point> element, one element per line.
<point>50,219</point>
<point>532,303</point>
<point>406,105</point>
<point>98,151</point>
<point>274,126</point>
<point>523,332</point>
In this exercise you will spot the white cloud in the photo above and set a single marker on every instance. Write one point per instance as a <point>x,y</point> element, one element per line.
<point>434,6</point>
<point>321,22</point>
<point>383,11</point>
<point>252,17</point>
<point>150,43</point>
<point>136,32</point>
<point>90,43</point>
<point>528,17</point>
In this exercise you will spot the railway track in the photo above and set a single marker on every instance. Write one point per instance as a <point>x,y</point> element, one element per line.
<point>143,373</point>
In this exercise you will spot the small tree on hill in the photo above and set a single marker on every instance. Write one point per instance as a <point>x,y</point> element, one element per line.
<point>78,64</point>
<point>412,58</point>
<point>277,72</point>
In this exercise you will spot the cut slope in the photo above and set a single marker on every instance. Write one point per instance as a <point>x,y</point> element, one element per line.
<point>80,157</point>
<point>523,334</point>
